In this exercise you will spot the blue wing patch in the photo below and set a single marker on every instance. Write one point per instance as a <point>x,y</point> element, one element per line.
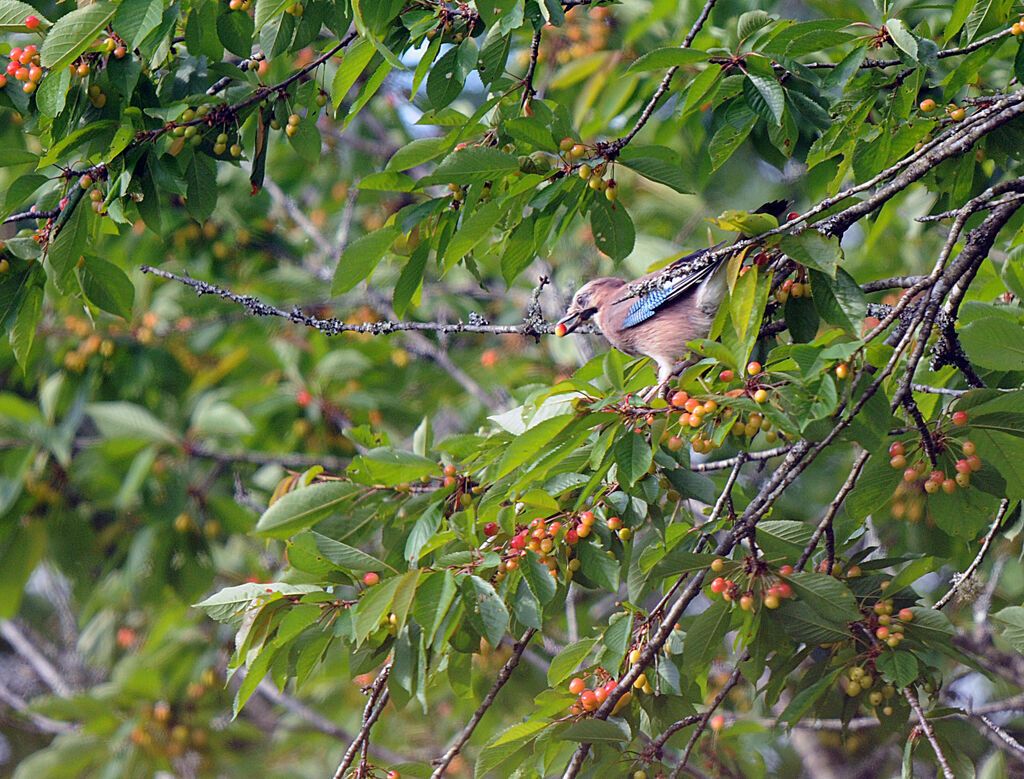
<point>647,306</point>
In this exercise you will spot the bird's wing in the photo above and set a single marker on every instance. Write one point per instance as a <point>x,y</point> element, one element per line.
<point>692,272</point>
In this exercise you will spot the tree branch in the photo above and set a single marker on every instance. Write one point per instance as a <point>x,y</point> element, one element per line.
<point>986,542</point>
<point>441,764</point>
<point>929,732</point>
<point>379,695</point>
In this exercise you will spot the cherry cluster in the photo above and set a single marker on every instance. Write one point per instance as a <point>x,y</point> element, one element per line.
<point>937,478</point>
<point>24,66</point>
<point>590,699</point>
<point>759,583</point>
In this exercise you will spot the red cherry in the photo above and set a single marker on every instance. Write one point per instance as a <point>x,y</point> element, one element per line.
<point>897,448</point>
<point>969,448</point>
<point>303,398</point>
<point>975,462</point>
<point>784,590</point>
<point>589,700</point>
<point>31,21</point>
<point>910,474</point>
<point>717,722</point>
<point>882,632</point>
<point>601,694</point>
<point>491,529</point>
<point>449,470</point>
<point>679,399</point>
<point>760,259</point>
<point>610,685</point>
<point>792,215</point>
<point>753,367</point>
<point>726,375</point>
<point>519,540</point>
<point>561,330</point>
<point>371,578</point>
<point>571,536</point>
<point>394,775</point>
<point>963,466</point>
<point>906,615</point>
<point>718,585</point>
<point>576,686</point>
<point>959,417</point>
<point>786,570</point>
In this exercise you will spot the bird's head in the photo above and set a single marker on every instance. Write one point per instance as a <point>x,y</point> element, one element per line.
<point>587,301</point>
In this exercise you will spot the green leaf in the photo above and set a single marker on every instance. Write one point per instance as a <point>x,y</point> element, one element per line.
<point>474,228</point>
<point>13,13</point>
<point>302,508</point>
<point>66,251</point>
<point>899,668</point>
<point>231,604</point>
<point>53,92</point>
<point>1011,619</point>
<point>373,607</point>
<point>564,664</point>
<point>519,251</point>
<point>902,37</point>
<point>704,636</point>
<point>485,609</point>
<point>348,557</point>
<point>117,419</point>
<point>107,287</point>
<point>201,178</point>
<point>597,566</point>
<point>135,19</point>
<point>353,62</point>
<point>804,624</point>
<point>361,257</point>
<point>667,57</point>
<point>613,230</point>
<point>660,171</point>
<point>529,443</point>
<point>235,30</point>
<point>728,138</point>
<point>30,311</point>
<point>806,697</point>
<point>633,456</point>
<point>448,75</point>
<point>416,153</point>
<point>814,250</point>
<point>750,22</point>
<point>506,745</point>
<point>994,343</point>
<point>840,301</point>
<point>538,578</point>
<point>390,467</point>
<point>433,599</point>
<point>596,731</point>
<point>825,595</point>
<point>471,165</point>
<point>72,34</point>
<point>765,92</point>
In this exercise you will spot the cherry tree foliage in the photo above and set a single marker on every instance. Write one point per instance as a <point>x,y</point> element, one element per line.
<point>294,470</point>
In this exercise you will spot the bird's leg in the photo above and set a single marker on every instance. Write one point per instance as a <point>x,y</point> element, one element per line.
<point>664,375</point>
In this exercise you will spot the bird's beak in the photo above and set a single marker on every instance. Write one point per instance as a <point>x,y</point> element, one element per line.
<point>573,318</point>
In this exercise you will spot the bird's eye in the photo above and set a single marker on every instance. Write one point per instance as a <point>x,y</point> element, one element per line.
<point>580,300</point>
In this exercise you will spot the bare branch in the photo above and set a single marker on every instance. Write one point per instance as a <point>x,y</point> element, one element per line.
<point>833,508</point>
<point>332,326</point>
<point>986,542</point>
<point>20,643</point>
<point>503,676</point>
<point>378,692</point>
<point>929,732</point>
<point>734,679</point>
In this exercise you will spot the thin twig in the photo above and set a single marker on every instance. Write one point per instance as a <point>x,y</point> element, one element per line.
<point>332,326</point>
<point>503,676</point>
<point>15,636</point>
<point>379,695</point>
<point>726,688</point>
<point>40,722</point>
<point>720,465</point>
<point>528,91</point>
<point>833,508</point>
<point>1004,505</point>
<point>1014,745</point>
<point>929,732</point>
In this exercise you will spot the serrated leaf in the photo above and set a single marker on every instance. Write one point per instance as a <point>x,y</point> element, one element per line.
<point>704,637</point>
<point>72,34</point>
<point>596,731</point>
<point>471,165</point>
<point>902,37</point>
<point>840,301</point>
<point>538,578</point>
<point>898,667</point>
<point>995,343</point>
<point>633,456</point>
<point>660,171</point>
<point>768,89</point>
<point>107,286</point>
<point>118,419</point>
<point>361,257</point>
<point>613,229</point>
<point>485,609</point>
<point>564,664</point>
<point>601,569</point>
<point>303,508</point>
<point>814,250</point>
<point>665,58</point>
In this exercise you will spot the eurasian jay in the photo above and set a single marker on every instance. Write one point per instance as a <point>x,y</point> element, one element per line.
<point>660,324</point>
